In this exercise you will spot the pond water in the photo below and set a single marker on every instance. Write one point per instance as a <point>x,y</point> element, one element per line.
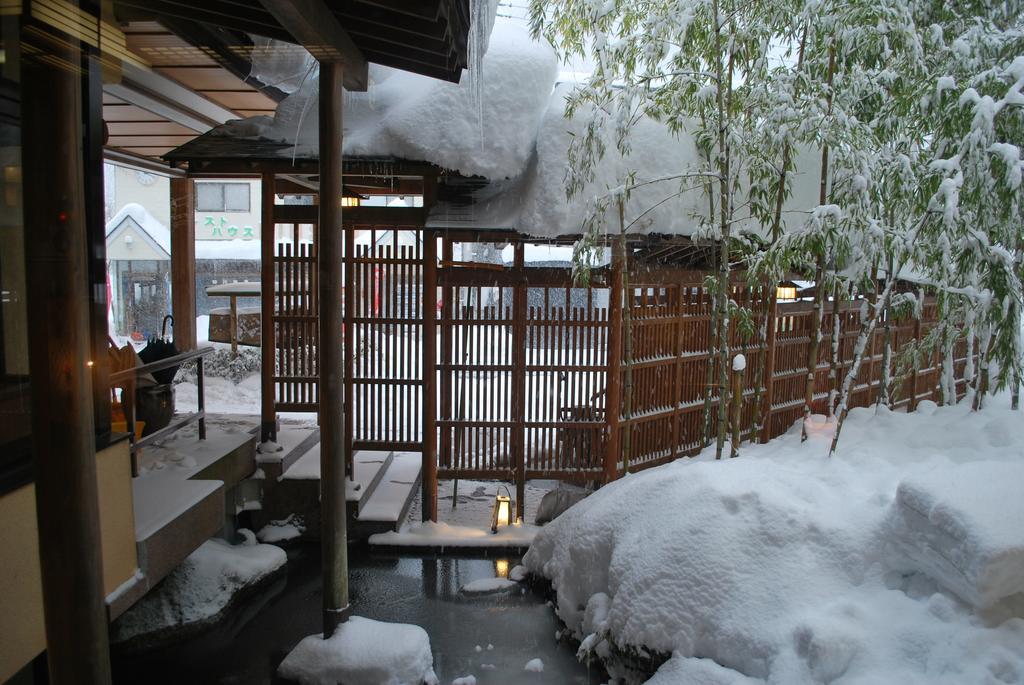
<point>510,628</point>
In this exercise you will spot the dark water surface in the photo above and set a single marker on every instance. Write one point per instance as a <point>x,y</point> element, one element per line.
<point>248,646</point>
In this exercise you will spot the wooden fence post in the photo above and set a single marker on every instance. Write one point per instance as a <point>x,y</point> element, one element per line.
<point>737,405</point>
<point>519,378</point>
<point>913,369</point>
<point>613,377</point>
<point>268,344</point>
<point>769,368</point>
<point>429,495</point>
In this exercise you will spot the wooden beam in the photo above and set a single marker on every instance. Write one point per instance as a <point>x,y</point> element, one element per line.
<point>183,262</point>
<point>57,287</point>
<point>317,30</point>
<point>333,514</point>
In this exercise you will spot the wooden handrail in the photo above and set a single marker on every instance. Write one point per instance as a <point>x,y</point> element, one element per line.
<point>126,380</point>
<point>120,377</point>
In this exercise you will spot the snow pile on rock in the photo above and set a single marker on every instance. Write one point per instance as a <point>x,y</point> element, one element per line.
<point>963,527</point>
<point>200,588</point>
<point>363,652</point>
<point>789,567</point>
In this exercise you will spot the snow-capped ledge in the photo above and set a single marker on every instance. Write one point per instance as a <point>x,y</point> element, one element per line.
<point>442,535</point>
<point>363,652</point>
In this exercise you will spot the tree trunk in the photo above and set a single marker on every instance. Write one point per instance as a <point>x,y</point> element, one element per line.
<point>724,211</point>
<point>867,329</point>
<point>836,343</point>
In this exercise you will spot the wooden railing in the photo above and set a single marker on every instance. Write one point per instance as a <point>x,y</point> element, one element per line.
<point>127,381</point>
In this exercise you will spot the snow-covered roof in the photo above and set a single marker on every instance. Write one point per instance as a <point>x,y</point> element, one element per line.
<point>505,123</point>
<point>149,225</point>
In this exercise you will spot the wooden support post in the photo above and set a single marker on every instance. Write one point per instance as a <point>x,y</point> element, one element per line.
<point>429,496</point>
<point>769,367</point>
<point>519,379</point>
<point>268,342</point>
<point>57,286</point>
<point>183,265</point>
<point>333,533</point>
<point>613,376</point>
<point>350,346</point>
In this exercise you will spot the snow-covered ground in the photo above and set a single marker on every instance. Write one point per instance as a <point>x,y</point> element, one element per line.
<point>202,587</point>
<point>899,560</point>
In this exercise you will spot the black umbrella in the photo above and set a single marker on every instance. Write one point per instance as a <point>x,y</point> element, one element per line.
<point>161,348</point>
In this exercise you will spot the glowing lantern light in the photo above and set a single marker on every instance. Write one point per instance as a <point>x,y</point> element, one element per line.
<point>350,201</point>
<point>785,291</point>
<point>502,514</point>
<point>501,568</point>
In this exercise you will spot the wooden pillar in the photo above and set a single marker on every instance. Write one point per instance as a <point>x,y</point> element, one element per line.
<point>519,379</point>
<point>429,495</point>
<point>57,286</point>
<point>268,342</point>
<point>183,262</point>
<point>350,346</point>
<point>613,377</point>
<point>333,535</point>
<point>769,367</point>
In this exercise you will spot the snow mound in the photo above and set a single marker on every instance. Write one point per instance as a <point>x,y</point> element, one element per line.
<point>200,588</point>
<point>283,530</point>
<point>962,527</point>
<point>534,666</point>
<point>776,566</point>
<point>680,669</point>
<point>414,117</point>
<point>363,652</point>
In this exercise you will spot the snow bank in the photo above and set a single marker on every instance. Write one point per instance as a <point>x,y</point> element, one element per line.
<point>962,526</point>
<point>776,566</point>
<point>200,588</point>
<point>363,652</point>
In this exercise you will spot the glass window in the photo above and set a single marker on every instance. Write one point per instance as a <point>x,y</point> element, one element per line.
<point>222,197</point>
<point>210,197</point>
<point>236,197</point>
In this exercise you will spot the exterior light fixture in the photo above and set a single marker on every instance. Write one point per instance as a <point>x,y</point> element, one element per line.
<point>785,291</point>
<point>501,568</point>
<point>502,514</point>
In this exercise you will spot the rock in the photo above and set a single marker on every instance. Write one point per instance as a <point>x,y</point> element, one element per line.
<point>557,501</point>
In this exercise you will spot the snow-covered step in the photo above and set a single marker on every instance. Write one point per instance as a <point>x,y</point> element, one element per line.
<point>393,495</point>
<point>368,467</point>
